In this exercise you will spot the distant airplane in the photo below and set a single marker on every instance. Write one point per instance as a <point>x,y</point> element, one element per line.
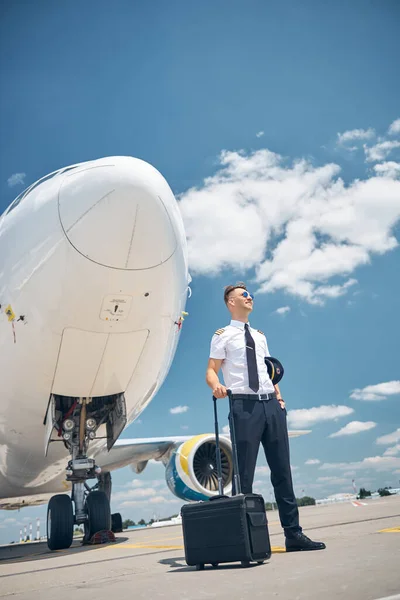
<point>93,284</point>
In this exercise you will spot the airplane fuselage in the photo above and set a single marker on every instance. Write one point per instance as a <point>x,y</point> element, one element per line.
<point>93,279</point>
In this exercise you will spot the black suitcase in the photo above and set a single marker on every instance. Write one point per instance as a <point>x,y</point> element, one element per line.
<point>226,528</point>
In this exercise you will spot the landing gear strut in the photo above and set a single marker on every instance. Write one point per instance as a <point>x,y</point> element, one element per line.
<point>92,508</point>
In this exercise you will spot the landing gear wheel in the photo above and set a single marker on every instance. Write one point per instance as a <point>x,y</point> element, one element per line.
<point>98,514</point>
<point>199,567</point>
<point>105,484</point>
<point>116,523</point>
<point>245,563</point>
<point>60,522</point>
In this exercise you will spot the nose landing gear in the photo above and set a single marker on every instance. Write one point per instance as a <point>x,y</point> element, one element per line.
<point>92,508</point>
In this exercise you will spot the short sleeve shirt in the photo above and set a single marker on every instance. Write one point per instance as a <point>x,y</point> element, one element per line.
<point>229,345</point>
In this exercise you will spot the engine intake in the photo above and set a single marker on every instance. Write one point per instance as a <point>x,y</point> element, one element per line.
<point>191,473</point>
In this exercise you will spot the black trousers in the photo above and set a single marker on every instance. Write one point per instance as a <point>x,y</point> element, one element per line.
<point>264,421</point>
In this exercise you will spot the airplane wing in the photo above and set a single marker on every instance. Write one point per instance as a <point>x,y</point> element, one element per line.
<point>137,452</point>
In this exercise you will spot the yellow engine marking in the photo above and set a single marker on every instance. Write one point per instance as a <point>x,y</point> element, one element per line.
<point>186,449</point>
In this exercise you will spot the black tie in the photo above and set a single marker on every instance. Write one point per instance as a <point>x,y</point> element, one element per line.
<point>251,360</point>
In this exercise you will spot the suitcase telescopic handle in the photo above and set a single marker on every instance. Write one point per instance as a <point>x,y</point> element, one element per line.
<point>217,450</point>
<point>236,476</point>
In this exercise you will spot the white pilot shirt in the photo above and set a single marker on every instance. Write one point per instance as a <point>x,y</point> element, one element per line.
<point>229,344</point>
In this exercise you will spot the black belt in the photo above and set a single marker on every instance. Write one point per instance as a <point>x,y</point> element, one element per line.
<point>270,396</point>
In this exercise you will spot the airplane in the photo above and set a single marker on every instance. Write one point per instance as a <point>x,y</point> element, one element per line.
<point>94,280</point>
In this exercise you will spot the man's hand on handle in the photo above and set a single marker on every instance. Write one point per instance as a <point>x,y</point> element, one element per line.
<point>220,391</point>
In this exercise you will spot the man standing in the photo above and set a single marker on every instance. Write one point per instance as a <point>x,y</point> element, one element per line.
<point>258,409</point>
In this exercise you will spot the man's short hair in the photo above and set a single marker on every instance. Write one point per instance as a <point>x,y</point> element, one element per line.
<point>230,288</point>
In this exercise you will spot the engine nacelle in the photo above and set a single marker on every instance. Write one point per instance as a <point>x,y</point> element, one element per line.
<point>191,473</point>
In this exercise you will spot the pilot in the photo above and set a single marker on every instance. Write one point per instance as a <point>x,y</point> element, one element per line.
<point>259,412</point>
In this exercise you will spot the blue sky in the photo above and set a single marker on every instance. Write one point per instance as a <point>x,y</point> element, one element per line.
<point>244,108</point>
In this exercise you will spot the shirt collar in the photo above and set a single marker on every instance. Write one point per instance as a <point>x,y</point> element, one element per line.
<point>238,324</point>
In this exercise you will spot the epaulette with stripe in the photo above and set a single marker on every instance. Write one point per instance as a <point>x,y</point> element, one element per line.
<point>259,331</point>
<point>219,331</point>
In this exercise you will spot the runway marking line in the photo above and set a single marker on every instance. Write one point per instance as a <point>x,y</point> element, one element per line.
<point>390,530</point>
<point>163,539</point>
<point>158,546</point>
<point>274,549</point>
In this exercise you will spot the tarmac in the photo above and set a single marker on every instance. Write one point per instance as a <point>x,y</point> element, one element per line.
<point>361,562</point>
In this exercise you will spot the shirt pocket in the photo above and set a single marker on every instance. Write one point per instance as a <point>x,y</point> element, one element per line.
<point>236,350</point>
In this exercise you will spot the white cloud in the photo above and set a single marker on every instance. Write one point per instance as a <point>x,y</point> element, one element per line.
<point>334,480</point>
<point>355,134</point>
<point>136,483</point>
<point>390,438</point>
<point>156,500</point>
<point>389,169</point>
<point>380,151</point>
<point>392,451</point>
<point>300,227</point>
<point>260,134</point>
<point>226,429</point>
<point>185,427</point>
<point>282,310</point>
<point>394,127</point>
<point>16,179</point>
<point>377,463</point>
<point>334,291</point>
<point>312,461</point>
<point>354,427</point>
<point>164,500</point>
<point>134,494</point>
<point>263,470</point>
<point>305,417</point>
<point>140,483</point>
<point>376,392</point>
<point>177,410</point>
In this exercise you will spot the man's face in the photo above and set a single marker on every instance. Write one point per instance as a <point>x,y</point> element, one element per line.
<point>242,299</point>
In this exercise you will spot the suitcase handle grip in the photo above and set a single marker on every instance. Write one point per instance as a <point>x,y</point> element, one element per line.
<point>236,476</point>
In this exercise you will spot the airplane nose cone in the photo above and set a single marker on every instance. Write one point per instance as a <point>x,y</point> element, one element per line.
<point>114,215</point>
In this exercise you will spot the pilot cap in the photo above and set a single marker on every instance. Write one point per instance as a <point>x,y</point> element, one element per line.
<point>275,369</point>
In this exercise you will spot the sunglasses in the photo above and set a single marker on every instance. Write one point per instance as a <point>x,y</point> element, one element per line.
<point>247,295</point>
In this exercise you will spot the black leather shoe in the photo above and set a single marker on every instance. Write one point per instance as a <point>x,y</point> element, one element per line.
<point>299,541</point>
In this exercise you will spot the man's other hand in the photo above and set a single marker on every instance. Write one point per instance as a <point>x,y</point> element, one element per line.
<point>220,391</point>
<point>281,402</point>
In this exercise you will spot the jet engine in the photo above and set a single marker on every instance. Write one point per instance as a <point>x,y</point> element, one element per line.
<point>191,472</point>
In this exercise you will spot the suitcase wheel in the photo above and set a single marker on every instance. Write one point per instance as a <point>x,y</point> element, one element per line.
<point>215,565</point>
<point>199,567</point>
<point>260,562</point>
<point>245,563</point>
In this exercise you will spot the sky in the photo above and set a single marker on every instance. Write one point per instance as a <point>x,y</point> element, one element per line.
<point>277,126</point>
